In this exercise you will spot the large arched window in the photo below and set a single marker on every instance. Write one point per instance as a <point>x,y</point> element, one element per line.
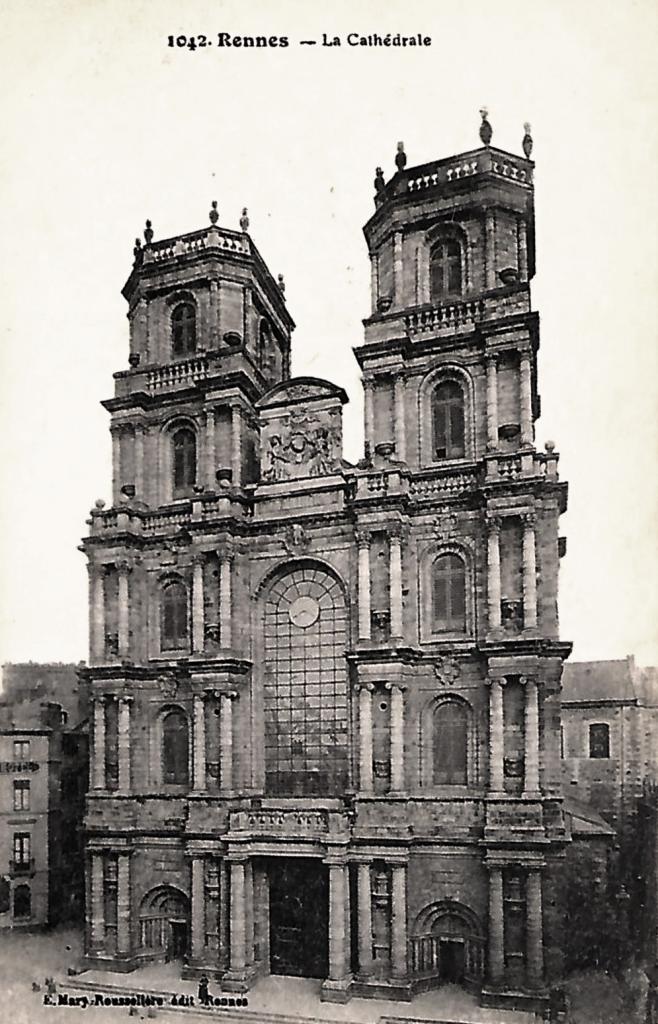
<point>174,636</point>
<point>184,445</point>
<point>22,901</point>
<point>448,595</point>
<point>448,421</point>
<point>175,758</point>
<point>183,329</point>
<point>446,270</point>
<point>450,744</point>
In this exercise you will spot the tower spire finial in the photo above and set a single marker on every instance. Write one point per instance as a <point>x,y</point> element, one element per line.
<point>400,157</point>
<point>148,232</point>
<point>244,219</point>
<point>213,215</point>
<point>486,131</point>
<point>527,140</point>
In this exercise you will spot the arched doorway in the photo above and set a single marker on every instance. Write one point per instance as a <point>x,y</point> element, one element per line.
<point>447,946</point>
<point>164,923</point>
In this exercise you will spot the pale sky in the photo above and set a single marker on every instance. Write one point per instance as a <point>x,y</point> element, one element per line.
<point>104,125</point>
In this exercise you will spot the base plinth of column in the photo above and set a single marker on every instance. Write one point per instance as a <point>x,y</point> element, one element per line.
<point>240,981</point>
<point>103,962</point>
<point>336,991</point>
<point>512,999</point>
<point>371,988</point>
<point>195,970</point>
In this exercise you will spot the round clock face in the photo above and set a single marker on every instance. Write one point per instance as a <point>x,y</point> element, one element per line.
<point>304,611</point>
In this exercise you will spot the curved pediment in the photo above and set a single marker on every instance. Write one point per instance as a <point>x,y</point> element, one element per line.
<point>301,389</point>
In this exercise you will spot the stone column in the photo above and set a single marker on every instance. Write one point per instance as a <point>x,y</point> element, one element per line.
<point>364,900</point>
<point>493,572</point>
<point>534,929</point>
<point>226,741</point>
<point>496,927</point>
<point>236,445</point>
<point>210,449</point>
<point>225,599</point>
<point>238,959</point>
<point>98,770</point>
<point>96,613</point>
<point>198,916</point>
<point>198,612</point>
<point>116,463</point>
<point>395,582</point>
<point>399,922</point>
<point>492,403</point>
<point>223,922</point>
<point>531,736</point>
<point>368,411</point>
<point>97,935</point>
<point>525,390</point>
<point>496,736</point>
<point>522,245</point>
<point>398,281</point>
<point>339,943</point>
<point>365,738</point>
<point>249,912</point>
<point>123,903</point>
<point>215,335</point>
<point>123,571</point>
<point>490,249</point>
<point>363,545</point>
<point>397,736</point>
<point>529,573</point>
<point>400,424</point>
<point>374,280</point>
<point>139,462</point>
<point>123,743</point>
<point>199,741</point>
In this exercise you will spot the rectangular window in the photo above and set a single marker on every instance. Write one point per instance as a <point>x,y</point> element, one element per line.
<point>21,750</point>
<point>599,740</point>
<point>21,795</point>
<point>21,847</point>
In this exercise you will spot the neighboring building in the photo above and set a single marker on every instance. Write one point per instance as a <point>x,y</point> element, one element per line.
<point>609,735</point>
<point>327,697</point>
<point>43,782</point>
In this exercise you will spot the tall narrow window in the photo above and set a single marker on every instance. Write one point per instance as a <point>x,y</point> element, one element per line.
<point>599,740</point>
<point>264,343</point>
<point>21,750</point>
<point>183,329</point>
<point>21,848</point>
<point>450,736</point>
<point>22,795</point>
<point>448,595</point>
<point>446,270</point>
<point>175,765</point>
<point>174,617</point>
<point>448,421</point>
<point>184,443</point>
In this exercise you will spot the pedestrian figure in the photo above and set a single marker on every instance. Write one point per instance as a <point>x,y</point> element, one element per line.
<point>202,993</point>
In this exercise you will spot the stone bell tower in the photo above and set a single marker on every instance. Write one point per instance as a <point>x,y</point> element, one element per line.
<point>449,364</point>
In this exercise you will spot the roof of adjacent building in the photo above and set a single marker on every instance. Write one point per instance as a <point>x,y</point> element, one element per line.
<point>618,680</point>
<point>31,690</point>
<point>585,821</point>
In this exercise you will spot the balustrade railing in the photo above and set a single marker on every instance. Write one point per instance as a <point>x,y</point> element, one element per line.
<point>169,248</point>
<point>178,374</point>
<point>435,485</point>
<point>451,314</point>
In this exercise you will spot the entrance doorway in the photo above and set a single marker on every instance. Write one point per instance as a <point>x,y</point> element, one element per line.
<point>299,917</point>
<point>451,960</point>
<point>178,940</point>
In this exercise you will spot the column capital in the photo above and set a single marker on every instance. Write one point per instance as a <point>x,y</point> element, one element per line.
<point>528,680</point>
<point>529,520</point>
<point>123,566</point>
<point>396,531</point>
<point>363,686</point>
<point>199,558</point>
<point>494,522</point>
<point>225,551</point>
<point>491,359</point>
<point>363,537</point>
<point>396,686</point>
<point>493,680</point>
<point>525,352</point>
<point>125,699</point>
<point>229,694</point>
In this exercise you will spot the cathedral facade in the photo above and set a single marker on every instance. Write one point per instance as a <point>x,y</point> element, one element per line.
<point>326,697</point>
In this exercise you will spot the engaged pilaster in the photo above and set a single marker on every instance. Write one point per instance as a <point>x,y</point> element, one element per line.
<point>123,743</point>
<point>365,738</point>
<point>97,901</point>
<point>531,731</point>
<point>337,985</point>
<point>123,572</point>
<point>496,735</point>
<point>96,613</point>
<point>198,612</point>
<point>364,907</point>
<point>210,449</point>
<point>397,736</point>
<point>236,445</point>
<point>368,410</point>
<point>492,403</point>
<point>98,766</point>
<point>400,423</point>
<point>525,393</point>
<point>493,572</point>
<point>226,740</point>
<point>225,555</point>
<point>534,929</point>
<point>199,764</point>
<point>123,903</point>
<point>363,545</point>
<point>529,572</point>
<point>198,937</point>
<point>238,959</point>
<point>496,926</point>
<point>399,922</point>
<point>395,581</point>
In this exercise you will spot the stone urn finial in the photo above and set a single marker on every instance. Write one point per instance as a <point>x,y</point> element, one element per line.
<point>380,184</point>
<point>137,250</point>
<point>148,232</point>
<point>244,220</point>
<point>281,283</point>
<point>486,131</point>
<point>213,215</point>
<point>527,140</point>
<point>400,157</point>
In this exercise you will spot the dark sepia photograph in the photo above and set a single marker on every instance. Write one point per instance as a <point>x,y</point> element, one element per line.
<point>329,505</point>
